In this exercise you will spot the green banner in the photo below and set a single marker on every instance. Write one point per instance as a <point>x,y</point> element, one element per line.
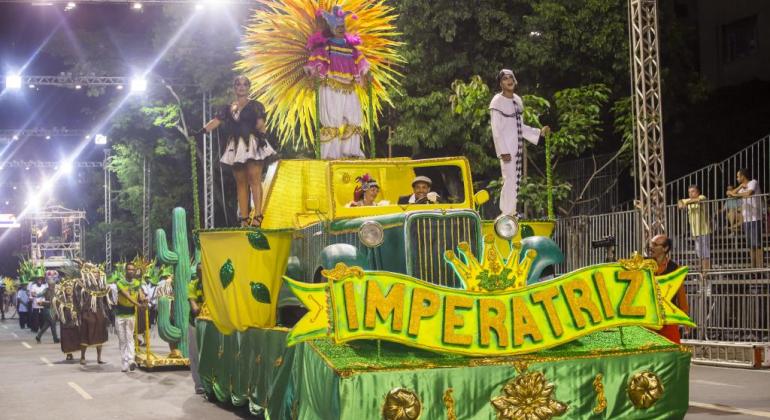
<point>355,304</point>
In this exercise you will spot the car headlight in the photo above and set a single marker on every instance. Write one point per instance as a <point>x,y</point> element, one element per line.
<point>371,234</point>
<point>506,227</point>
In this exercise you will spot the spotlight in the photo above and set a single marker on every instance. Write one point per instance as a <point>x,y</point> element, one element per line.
<point>120,87</point>
<point>78,87</point>
<point>31,85</point>
<point>48,137</point>
<point>136,6</point>
<point>70,5</point>
<point>15,137</point>
<point>535,34</point>
<point>13,81</point>
<point>87,137</point>
<point>14,188</point>
<point>138,84</point>
<point>7,202</point>
<point>26,168</point>
<point>199,6</point>
<point>100,139</point>
<point>67,166</point>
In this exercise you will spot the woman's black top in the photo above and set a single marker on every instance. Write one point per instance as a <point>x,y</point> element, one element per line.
<point>243,124</point>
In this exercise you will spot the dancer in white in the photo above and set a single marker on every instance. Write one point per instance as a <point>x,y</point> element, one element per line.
<point>509,132</point>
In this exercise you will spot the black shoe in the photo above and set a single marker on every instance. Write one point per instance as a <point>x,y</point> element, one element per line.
<point>132,366</point>
<point>37,338</point>
<point>56,341</point>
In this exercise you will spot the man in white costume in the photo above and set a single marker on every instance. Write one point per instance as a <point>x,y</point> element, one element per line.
<point>509,131</point>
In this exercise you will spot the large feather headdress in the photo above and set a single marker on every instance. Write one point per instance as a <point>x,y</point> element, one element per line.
<point>274,53</point>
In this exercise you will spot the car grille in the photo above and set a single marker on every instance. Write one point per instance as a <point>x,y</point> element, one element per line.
<point>430,235</point>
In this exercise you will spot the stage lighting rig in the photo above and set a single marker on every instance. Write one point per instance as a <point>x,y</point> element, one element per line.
<point>13,81</point>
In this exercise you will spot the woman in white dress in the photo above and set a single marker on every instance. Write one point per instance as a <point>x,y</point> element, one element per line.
<point>247,151</point>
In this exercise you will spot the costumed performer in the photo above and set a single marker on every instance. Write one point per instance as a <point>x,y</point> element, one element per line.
<point>509,132</point>
<point>338,65</point>
<point>247,151</point>
<point>196,299</point>
<point>92,301</point>
<point>130,301</point>
<point>64,305</point>
<point>366,192</point>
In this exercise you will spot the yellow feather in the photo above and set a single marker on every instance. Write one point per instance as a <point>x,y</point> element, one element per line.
<point>273,56</point>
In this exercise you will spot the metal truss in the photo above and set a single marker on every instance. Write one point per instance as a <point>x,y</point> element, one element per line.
<point>69,80</point>
<point>47,164</point>
<point>146,201</point>
<point>8,135</point>
<point>648,126</point>
<point>208,167</point>
<point>41,248</point>
<point>107,213</point>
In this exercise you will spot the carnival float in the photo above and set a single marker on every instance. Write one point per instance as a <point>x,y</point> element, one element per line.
<point>399,310</point>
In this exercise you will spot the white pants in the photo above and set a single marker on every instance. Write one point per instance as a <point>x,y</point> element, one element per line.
<point>125,327</point>
<point>339,109</point>
<point>508,195</point>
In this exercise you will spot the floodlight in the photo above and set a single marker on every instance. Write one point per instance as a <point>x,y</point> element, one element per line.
<point>138,84</point>
<point>14,188</point>
<point>13,81</point>
<point>70,5</point>
<point>67,166</point>
<point>136,6</point>
<point>47,137</point>
<point>15,137</point>
<point>120,87</point>
<point>7,202</point>
<point>100,139</point>
<point>78,87</point>
<point>31,85</point>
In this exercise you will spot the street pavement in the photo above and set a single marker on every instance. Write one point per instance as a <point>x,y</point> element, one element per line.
<point>36,383</point>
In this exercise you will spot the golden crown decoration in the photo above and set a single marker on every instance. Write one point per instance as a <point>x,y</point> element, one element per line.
<point>492,273</point>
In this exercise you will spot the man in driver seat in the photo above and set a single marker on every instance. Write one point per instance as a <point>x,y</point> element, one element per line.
<point>421,192</point>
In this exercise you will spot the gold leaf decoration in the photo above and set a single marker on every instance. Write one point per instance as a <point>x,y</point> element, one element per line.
<point>637,262</point>
<point>341,271</point>
<point>528,396</point>
<point>601,400</point>
<point>645,389</point>
<point>401,404</point>
<point>449,402</point>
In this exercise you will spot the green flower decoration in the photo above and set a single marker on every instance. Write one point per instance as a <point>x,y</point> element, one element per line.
<point>260,292</point>
<point>527,231</point>
<point>258,240</point>
<point>226,273</point>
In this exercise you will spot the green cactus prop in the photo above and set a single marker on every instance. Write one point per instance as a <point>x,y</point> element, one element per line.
<point>179,258</point>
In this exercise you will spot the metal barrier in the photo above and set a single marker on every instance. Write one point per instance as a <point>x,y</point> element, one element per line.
<point>712,228</point>
<point>715,178</point>
<point>729,306</point>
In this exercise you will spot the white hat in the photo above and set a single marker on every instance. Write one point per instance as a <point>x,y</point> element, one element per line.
<point>422,178</point>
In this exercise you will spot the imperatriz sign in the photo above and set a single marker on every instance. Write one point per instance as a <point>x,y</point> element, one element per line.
<point>356,304</point>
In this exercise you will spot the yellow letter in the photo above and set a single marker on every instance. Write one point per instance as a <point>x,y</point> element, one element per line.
<point>523,322</point>
<point>496,322</point>
<point>545,297</point>
<point>420,310</point>
<point>627,307</point>
<point>393,303</point>
<point>350,306</point>
<point>604,297</point>
<point>581,302</point>
<point>452,320</point>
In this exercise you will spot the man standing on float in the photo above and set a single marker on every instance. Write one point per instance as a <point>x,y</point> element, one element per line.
<point>509,133</point>
<point>339,66</point>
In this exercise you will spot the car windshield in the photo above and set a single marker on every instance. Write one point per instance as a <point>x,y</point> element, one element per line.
<point>399,184</point>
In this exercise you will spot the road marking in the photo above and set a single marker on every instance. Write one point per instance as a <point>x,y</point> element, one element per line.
<point>729,409</point>
<point>701,381</point>
<point>24,343</point>
<point>15,335</point>
<point>46,361</point>
<point>80,391</point>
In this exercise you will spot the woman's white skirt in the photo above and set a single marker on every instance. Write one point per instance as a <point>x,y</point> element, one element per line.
<point>237,152</point>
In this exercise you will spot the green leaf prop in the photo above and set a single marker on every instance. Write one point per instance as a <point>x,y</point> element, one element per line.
<point>226,273</point>
<point>260,292</point>
<point>258,240</point>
